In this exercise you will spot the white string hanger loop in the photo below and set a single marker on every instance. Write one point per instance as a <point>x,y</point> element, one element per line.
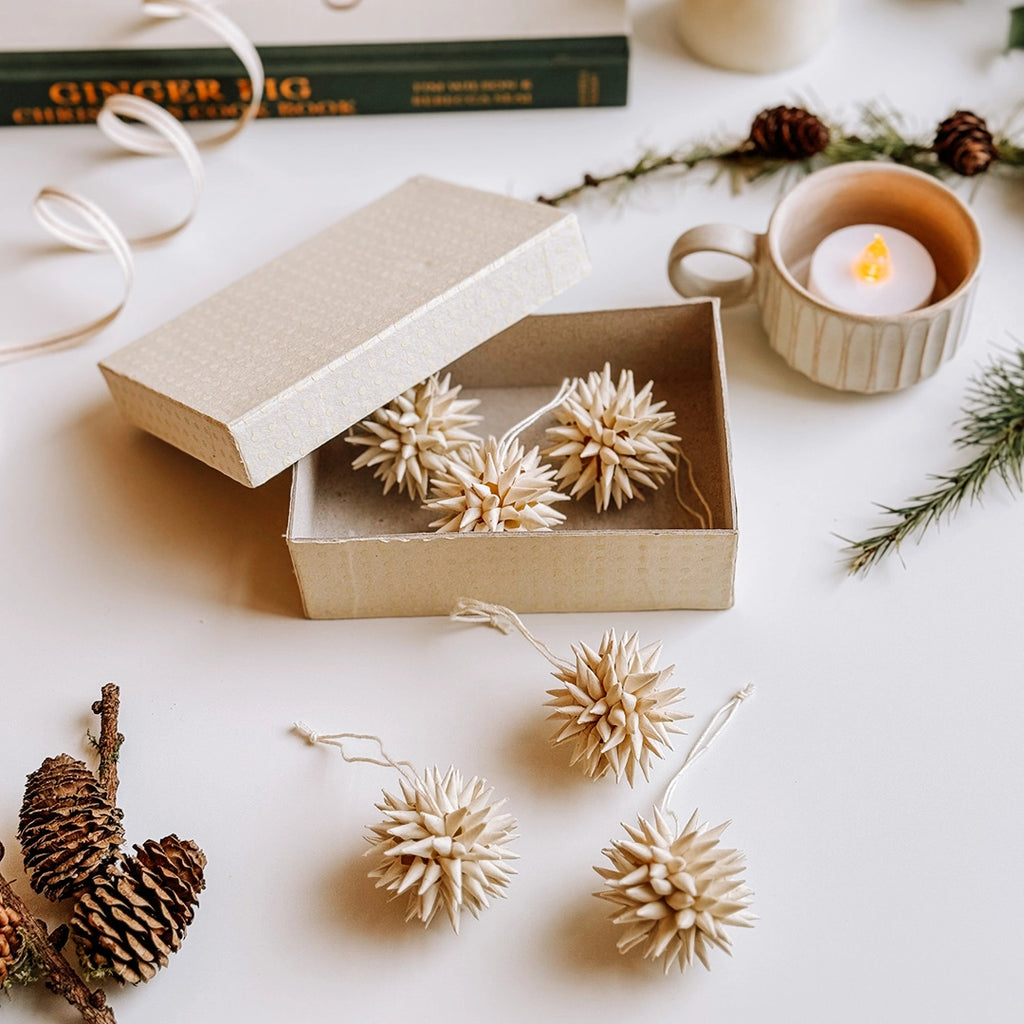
<point>611,706</point>
<point>443,840</point>
<point>676,892</point>
<point>139,126</point>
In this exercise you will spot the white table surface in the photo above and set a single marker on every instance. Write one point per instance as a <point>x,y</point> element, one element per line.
<point>874,781</point>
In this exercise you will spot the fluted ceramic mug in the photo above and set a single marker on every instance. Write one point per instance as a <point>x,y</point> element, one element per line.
<point>843,350</point>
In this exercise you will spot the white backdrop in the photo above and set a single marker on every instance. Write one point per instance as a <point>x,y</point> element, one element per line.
<point>873,781</point>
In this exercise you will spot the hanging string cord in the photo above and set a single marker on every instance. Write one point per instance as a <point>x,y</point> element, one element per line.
<point>336,739</point>
<point>468,609</point>
<point>221,25</point>
<point>718,722</point>
<point>511,435</point>
<point>705,523</point>
<point>140,126</point>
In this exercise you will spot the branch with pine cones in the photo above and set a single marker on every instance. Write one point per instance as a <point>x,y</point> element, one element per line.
<point>129,913</point>
<point>785,139</point>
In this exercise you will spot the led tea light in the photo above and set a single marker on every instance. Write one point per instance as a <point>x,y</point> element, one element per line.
<point>873,270</point>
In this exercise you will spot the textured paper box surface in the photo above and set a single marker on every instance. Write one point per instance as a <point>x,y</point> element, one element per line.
<point>281,361</point>
<point>358,553</point>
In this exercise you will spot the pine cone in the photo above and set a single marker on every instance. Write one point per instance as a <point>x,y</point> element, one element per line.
<point>10,941</point>
<point>136,914</point>
<point>964,143</point>
<point>68,829</point>
<point>788,133</point>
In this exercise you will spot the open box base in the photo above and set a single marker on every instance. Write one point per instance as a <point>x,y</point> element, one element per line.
<point>358,553</point>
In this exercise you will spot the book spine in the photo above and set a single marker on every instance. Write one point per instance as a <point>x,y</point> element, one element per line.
<point>317,81</point>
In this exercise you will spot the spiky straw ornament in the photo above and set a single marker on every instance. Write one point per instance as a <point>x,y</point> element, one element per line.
<point>612,706</point>
<point>613,439</point>
<point>676,891</point>
<point>499,486</point>
<point>411,438</point>
<point>443,840</point>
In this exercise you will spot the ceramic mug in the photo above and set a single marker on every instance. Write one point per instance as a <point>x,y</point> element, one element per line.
<point>755,35</point>
<point>843,350</point>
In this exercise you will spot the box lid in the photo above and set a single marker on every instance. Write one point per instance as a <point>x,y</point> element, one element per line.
<point>276,364</point>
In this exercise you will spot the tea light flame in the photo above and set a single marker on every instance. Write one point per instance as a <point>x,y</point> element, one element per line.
<point>875,263</point>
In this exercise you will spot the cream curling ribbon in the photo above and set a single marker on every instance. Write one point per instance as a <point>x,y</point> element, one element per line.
<point>82,224</point>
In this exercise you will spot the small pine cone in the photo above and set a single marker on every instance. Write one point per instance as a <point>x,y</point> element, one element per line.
<point>10,941</point>
<point>136,914</point>
<point>443,842</point>
<point>612,707</point>
<point>788,133</point>
<point>964,143</point>
<point>675,889</point>
<point>69,831</point>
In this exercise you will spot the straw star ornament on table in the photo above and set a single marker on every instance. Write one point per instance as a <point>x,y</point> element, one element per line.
<point>415,435</point>
<point>498,486</point>
<point>611,707</point>
<point>443,840</point>
<point>677,892</point>
<point>612,438</point>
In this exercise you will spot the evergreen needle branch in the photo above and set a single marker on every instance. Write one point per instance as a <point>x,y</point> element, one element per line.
<point>877,134</point>
<point>993,425</point>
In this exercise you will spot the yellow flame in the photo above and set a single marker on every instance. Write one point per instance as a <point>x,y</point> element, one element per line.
<point>874,264</point>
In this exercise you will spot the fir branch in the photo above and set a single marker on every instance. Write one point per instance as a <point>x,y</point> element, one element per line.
<point>878,134</point>
<point>993,424</point>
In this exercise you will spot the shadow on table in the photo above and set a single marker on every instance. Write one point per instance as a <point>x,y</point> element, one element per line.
<point>350,899</point>
<point>160,511</point>
<point>542,766</point>
<point>583,939</point>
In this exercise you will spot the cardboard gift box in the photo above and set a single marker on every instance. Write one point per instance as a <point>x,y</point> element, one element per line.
<point>272,371</point>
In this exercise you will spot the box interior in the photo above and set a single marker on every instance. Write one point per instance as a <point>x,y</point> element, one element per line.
<point>675,346</point>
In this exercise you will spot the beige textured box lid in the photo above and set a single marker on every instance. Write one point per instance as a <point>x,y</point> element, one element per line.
<point>276,364</point>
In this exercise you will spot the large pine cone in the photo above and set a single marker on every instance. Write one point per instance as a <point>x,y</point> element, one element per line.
<point>69,831</point>
<point>10,940</point>
<point>964,143</point>
<point>136,913</point>
<point>788,133</point>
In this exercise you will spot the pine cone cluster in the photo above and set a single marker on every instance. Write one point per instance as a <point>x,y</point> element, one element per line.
<point>10,941</point>
<point>788,133</point>
<point>136,913</point>
<point>69,831</point>
<point>964,143</point>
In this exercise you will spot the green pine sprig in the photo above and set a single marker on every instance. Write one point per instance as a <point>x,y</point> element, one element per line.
<point>993,426</point>
<point>877,134</point>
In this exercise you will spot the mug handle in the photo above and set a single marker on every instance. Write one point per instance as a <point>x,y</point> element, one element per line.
<point>726,238</point>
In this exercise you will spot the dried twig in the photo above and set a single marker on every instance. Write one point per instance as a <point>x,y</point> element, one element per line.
<point>45,948</point>
<point>109,743</point>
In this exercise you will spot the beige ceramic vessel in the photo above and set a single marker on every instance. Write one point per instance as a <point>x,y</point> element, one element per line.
<point>851,352</point>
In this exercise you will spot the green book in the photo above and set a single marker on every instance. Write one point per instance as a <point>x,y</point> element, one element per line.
<point>60,59</point>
